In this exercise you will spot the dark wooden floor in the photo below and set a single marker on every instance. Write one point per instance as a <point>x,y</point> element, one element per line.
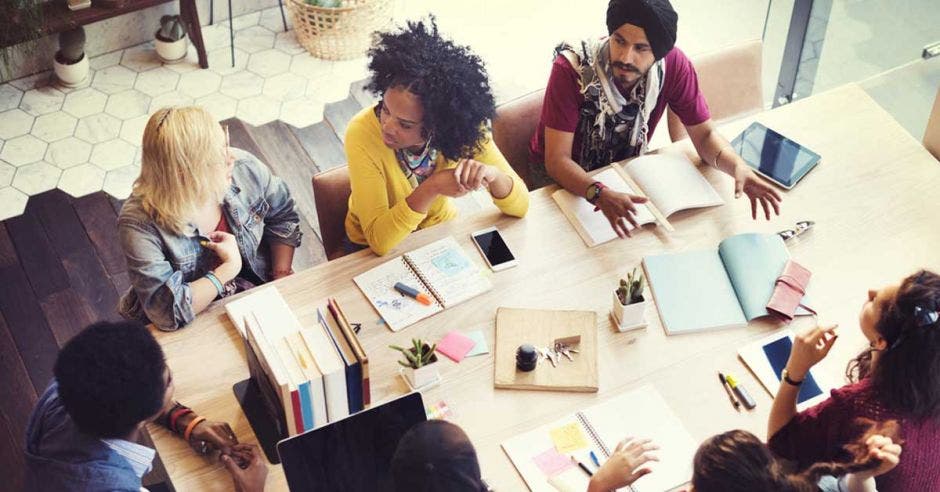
<point>61,267</point>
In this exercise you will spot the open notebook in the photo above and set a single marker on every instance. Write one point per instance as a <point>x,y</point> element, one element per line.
<point>641,413</point>
<point>441,269</point>
<point>671,182</point>
<point>723,288</point>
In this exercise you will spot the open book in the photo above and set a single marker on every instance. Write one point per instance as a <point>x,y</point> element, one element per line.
<point>671,182</point>
<point>440,269</point>
<point>641,413</point>
<point>701,290</point>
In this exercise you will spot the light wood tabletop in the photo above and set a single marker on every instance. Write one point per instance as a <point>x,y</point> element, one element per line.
<point>874,199</point>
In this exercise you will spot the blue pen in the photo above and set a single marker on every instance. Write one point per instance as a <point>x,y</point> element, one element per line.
<point>594,459</point>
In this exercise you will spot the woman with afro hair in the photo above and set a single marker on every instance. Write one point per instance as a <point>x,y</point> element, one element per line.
<point>425,142</point>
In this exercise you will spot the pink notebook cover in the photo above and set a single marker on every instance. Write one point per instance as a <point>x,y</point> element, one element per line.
<point>455,345</point>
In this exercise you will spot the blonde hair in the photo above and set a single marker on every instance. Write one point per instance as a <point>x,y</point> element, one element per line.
<point>181,165</point>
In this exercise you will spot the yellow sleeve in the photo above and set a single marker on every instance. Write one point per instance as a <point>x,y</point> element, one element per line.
<point>516,203</point>
<point>382,225</point>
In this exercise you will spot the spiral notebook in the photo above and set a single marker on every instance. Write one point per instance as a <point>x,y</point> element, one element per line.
<point>641,413</point>
<point>441,269</point>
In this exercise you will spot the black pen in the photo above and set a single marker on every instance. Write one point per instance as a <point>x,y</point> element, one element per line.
<point>583,466</point>
<point>724,382</point>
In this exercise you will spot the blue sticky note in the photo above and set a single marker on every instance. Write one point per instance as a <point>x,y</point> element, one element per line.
<point>480,346</point>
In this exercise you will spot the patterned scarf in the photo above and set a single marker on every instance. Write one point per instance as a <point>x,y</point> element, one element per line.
<point>417,167</point>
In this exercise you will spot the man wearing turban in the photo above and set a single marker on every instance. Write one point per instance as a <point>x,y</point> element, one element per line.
<point>603,101</point>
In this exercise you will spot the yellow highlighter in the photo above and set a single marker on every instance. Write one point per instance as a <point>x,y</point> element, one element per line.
<point>740,392</point>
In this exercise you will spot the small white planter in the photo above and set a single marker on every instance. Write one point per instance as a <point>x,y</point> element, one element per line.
<point>171,52</point>
<point>629,317</point>
<point>422,377</point>
<point>71,75</point>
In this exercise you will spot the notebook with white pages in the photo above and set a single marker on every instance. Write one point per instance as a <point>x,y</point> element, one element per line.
<point>640,413</point>
<point>441,269</point>
<point>671,182</point>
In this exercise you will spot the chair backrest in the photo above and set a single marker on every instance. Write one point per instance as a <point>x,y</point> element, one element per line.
<point>513,127</point>
<point>932,134</point>
<point>331,192</point>
<point>730,80</point>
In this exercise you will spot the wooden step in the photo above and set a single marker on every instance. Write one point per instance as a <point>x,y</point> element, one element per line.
<point>339,113</point>
<point>358,91</point>
<point>322,145</point>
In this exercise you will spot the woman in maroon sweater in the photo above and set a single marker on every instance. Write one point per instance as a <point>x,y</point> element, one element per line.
<point>897,377</point>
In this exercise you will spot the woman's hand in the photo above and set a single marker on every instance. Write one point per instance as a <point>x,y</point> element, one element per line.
<point>225,247</point>
<point>247,468</point>
<point>208,436</point>
<point>883,449</point>
<point>472,174</point>
<point>757,189</point>
<point>446,182</point>
<point>809,348</point>
<point>623,467</point>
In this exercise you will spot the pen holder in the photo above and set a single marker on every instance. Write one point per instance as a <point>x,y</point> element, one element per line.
<point>628,316</point>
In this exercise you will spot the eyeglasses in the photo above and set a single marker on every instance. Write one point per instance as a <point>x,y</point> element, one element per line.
<point>801,227</point>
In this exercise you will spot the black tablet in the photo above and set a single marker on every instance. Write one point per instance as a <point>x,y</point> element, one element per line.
<point>774,156</point>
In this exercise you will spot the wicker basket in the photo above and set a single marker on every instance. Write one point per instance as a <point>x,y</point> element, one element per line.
<point>340,33</point>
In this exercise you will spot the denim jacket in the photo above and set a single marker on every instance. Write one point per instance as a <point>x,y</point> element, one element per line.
<point>161,264</point>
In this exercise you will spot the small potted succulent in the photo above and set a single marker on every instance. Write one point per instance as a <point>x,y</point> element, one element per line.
<point>420,365</point>
<point>629,309</point>
<point>70,62</point>
<point>170,39</point>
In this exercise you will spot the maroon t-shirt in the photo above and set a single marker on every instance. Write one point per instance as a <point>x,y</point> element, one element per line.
<point>563,100</point>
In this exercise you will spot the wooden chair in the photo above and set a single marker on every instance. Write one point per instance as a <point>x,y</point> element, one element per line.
<point>331,192</point>
<point>932,133</point>
<point>730,80</point>
<point>513,127</point>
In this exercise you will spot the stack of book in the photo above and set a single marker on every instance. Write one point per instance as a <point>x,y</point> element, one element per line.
<point>308,375</point>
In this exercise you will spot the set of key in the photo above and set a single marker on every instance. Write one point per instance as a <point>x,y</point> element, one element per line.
<point>555,353</point>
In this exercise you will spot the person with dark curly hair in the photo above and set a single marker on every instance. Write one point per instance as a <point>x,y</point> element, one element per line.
<point>896,378</point>
<point>425,142</point>
<point>604,98</point>
<point>110,381</point>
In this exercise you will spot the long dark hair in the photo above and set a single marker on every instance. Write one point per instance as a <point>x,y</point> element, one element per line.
<point>737,461</point>
<point>907,376</point>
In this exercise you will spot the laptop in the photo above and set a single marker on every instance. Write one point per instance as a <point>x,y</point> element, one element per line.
<point>352,454</point>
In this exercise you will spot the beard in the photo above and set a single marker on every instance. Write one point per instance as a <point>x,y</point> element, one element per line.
<point>626,75</point>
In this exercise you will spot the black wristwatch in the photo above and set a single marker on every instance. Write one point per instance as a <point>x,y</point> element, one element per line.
<point>593,193</point>
<point>785,375</point>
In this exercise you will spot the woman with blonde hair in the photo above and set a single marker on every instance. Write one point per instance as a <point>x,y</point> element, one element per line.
<point>203,221</point>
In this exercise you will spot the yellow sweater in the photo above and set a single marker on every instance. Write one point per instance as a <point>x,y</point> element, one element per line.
<point>378,213</point>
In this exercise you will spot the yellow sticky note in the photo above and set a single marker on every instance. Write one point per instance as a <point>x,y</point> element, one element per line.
<point>568,438</point>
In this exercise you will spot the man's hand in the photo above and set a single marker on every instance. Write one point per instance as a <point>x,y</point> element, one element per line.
<point>757,189</point>
<point>208,436</point>
<point>619,208</point>
<point>247,468</point>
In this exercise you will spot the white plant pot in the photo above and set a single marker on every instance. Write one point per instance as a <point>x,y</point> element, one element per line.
<point>171,52</point>
<point>629,317</point>
<point>421,377</point>
<point>71,75</point>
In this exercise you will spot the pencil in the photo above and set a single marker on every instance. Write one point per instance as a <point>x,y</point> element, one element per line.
<point>724,383</point>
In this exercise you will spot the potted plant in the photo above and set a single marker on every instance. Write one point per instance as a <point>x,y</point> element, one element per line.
<point>629,309</point>
<point>419,367</point>
<point>70,62</point>
<point>170,39</point>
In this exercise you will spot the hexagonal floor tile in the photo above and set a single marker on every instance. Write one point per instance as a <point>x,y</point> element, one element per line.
<point>189,63</point>
<point>254,39</point>
<point>141,58</point>
<point>128,104</point>
<point>114,79</point>
<point>10,97</point>
<point>12,202</point>
<point>308,67</point>
<point>329,89</point>
<point>157,81</point>
<point>351,70</point>
<point>245,21</point>
<point>199,83</point>
<point>271,19</point>
<point>118,183</point>
<point>220,61</point>
<point>98,128</point>
<point>132,130</point>
<point>68,152</point>
<point>81,180</point>
<point>258,110</point>
<point>23,150</point>
<point>221,106</point>
<point>241,85</point>
<point>36,178</point>
<point>301,112</point>
<point>287,42</point>
<point>35,81</point>
<point>216,36</point>
<point>84,102</point>
<point>285,86</point>
<point>14,123</point>
<point>106,60</point>
<point>113,154</point>
<point>269,63</point>
<point>54,126</point>
<point>42,100</point>
<point>6,174</point>
<point>174,98</point>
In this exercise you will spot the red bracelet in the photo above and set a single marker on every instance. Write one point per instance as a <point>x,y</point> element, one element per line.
<point>176,415</point>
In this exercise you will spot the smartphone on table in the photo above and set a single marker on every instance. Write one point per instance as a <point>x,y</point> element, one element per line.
<point>494,249</point>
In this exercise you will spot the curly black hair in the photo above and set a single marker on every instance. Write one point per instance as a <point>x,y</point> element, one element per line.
<point>111,378</point>
<point>449,80</point>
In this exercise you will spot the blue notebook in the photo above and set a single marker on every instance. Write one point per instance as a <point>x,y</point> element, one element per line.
<point>723,288</point>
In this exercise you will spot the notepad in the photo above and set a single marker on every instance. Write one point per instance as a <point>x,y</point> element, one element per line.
<point>671,182</point>
<point>768,356</point>
<point>641,413</point>
<point>455,345</point>
<point>441,269</point>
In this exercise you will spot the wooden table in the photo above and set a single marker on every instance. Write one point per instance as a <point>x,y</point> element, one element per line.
<point>874,199</point>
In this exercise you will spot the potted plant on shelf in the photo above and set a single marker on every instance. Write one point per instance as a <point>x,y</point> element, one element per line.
<point>70,62</point>
<point>170,39</point>
<point>420,365</point>
<point>629,309</point>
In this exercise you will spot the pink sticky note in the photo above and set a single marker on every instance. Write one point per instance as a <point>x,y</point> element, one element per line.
<point>455,345</point>
<point>551,462</point>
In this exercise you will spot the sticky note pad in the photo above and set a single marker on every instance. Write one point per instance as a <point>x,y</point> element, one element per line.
<point>551,462</point>
<point>568,438</point>
<point>481,347</point>
<point>455,345</point>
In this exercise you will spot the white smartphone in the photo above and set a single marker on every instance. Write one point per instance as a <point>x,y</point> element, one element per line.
<point>494,249</point>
